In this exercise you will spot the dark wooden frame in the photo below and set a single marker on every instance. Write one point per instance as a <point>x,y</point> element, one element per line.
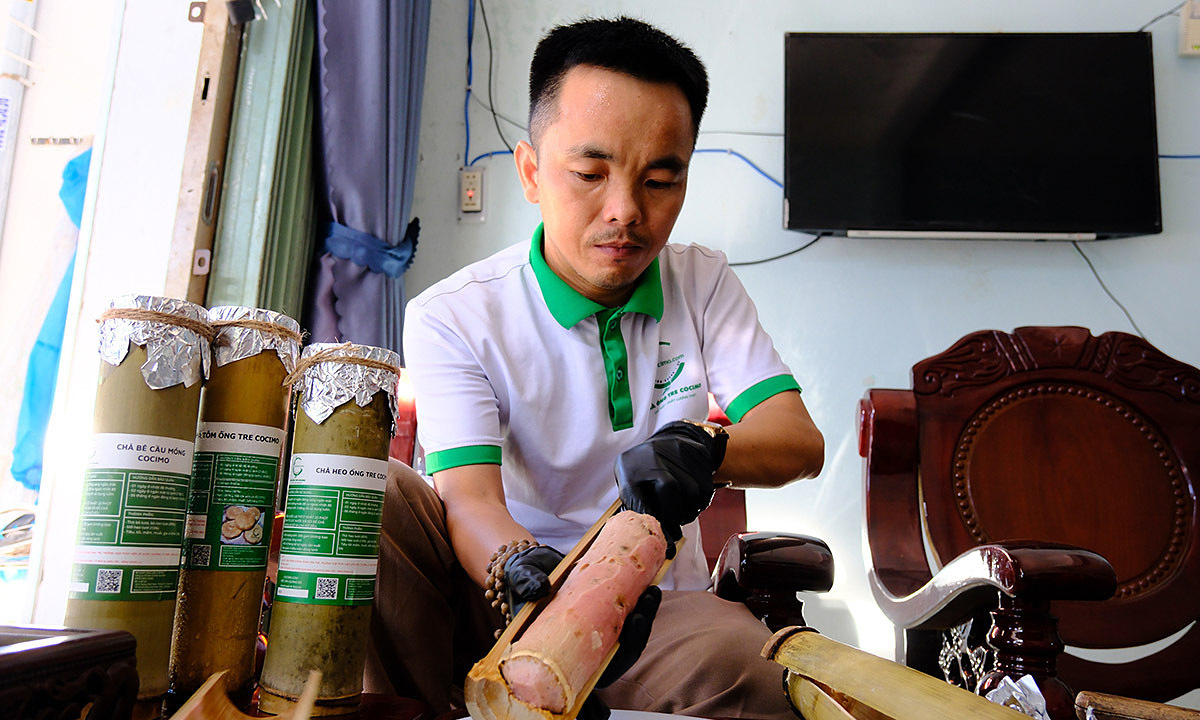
<point>54,672</point>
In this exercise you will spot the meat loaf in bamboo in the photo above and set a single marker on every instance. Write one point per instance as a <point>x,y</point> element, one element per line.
<point>556,656</point>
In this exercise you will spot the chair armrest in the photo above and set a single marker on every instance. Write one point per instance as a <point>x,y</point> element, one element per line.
<point>1022,569</point>
<point>763,562</point>
<point>887,439</point>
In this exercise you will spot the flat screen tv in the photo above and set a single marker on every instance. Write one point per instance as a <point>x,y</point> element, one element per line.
<point>970,135</point>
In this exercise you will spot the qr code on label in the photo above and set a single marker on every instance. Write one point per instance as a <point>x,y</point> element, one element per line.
<point>327,588</point>
<point>201,555</point>
<point>108,580</point>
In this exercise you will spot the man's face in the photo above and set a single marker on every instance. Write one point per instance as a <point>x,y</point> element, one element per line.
<point>609,172</point>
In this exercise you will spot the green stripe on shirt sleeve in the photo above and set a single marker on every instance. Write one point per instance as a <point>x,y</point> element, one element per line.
<point>457,457</point>
<point>758,392</point>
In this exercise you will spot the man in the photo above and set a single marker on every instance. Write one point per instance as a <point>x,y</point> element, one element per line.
<point>546,370</point>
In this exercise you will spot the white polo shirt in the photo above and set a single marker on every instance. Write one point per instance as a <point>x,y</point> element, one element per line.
<point>511,366</point>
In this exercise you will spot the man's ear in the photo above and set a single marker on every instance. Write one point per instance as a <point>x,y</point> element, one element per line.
<point>526,159</point>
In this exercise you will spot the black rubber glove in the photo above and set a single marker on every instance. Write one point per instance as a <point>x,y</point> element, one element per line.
<point>631,642</point>
<point>527,575</point>
<point>670,476</point>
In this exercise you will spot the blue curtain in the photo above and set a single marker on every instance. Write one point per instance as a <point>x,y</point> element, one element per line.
<point>371,74</point>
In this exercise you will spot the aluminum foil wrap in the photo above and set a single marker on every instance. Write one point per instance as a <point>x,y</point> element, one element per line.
<point>329,384</point>
<point>174,354</point>
<point>235,342</point>
<point>1023,696</point>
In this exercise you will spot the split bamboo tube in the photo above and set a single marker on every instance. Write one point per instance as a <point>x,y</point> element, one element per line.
<point>828,680</point>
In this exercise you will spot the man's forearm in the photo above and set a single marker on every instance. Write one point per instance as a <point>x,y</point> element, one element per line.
<point>476,516</point>
<point>477,533</point>
<point>775,443</point>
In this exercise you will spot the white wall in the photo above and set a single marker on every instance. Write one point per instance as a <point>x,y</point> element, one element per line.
<point>128,219</point>
<point>846,314</point>
<point>63,101</point>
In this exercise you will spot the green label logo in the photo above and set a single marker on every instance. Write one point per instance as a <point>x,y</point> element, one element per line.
<point>668,371</point>
<point>667,391</point>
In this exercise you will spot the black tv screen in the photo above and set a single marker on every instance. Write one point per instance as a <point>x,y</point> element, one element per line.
<point>1040,135</point>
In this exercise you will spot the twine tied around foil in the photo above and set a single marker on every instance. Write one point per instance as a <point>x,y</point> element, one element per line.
<point>335,354</point>
<point>201,328</point>
<point>262,326</point>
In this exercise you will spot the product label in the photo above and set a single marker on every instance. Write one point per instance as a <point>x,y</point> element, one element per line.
<point>233,496</point>
<point>330,543</point>
<point>132,518</point>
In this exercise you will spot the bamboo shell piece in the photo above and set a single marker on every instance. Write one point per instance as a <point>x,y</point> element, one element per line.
<point>866,686</point>
<point>210,702</point>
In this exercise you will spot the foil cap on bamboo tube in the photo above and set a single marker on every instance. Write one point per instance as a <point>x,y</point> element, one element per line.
<point>335,374</point>
<point>243,332</point>
<point>175,333</point>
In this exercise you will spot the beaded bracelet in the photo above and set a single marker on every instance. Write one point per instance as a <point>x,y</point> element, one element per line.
<point>495,583</point>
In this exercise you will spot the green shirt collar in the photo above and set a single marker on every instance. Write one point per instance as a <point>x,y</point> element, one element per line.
<point>569,307</point>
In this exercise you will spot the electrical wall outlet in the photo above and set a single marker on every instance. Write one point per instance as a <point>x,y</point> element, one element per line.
<point>470,194</point>
<point>1189,28</point>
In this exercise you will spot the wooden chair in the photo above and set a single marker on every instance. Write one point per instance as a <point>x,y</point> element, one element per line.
<point>1052,469</point>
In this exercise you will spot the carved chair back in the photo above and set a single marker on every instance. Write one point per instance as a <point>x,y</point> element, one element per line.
<point>1051,434</point>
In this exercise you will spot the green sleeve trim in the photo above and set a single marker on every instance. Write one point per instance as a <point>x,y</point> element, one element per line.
<point>457,457</point>
<point>758,392</point>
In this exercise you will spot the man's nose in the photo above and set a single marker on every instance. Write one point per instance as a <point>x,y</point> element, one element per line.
<point>623,204</point>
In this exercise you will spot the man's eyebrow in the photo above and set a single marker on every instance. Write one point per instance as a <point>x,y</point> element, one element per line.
<point>591,152</point>
<point>673,163</point>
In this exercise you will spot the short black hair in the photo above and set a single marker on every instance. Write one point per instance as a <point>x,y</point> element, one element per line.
<point>622,44</point>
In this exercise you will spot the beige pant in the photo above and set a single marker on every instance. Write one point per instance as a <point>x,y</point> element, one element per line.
<point>431,623</point>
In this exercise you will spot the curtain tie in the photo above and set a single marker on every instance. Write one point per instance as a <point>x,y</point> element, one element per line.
<point>363,248</point>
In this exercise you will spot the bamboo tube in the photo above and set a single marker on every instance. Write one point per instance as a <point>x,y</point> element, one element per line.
<point>867,686</point>
<point>322,611</point>
<point>239,442</point>
<point>135,490</point>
